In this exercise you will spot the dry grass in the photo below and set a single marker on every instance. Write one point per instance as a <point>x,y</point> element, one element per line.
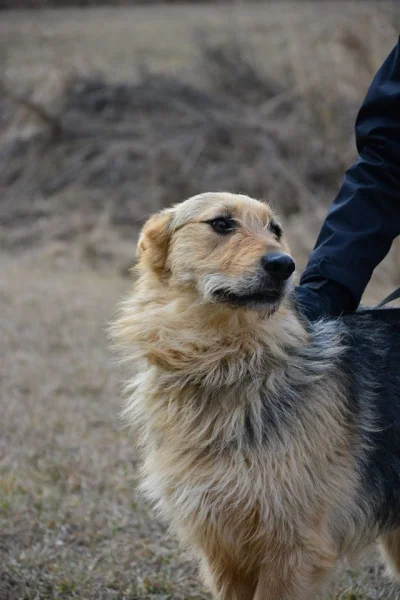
<point>70,519</point>
<point>147,112</point>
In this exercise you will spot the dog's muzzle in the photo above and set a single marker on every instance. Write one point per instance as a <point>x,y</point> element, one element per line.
<point>266,288</point>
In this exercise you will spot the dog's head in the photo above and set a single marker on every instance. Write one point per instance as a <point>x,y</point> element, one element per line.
<point>224,248</point>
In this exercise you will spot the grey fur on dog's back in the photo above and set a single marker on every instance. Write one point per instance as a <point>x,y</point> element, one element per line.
<point>371,362</point>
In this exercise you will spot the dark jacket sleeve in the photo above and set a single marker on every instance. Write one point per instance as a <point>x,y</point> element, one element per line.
<point>365,216</point>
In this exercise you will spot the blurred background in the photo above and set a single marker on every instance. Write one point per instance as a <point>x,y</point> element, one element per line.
<point>108,113</point>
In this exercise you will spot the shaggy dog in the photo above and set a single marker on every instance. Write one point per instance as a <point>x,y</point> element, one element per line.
<point>271,445</point>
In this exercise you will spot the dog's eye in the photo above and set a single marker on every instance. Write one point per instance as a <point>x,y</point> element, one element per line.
<point>276,229</point>
<point>222,224</point>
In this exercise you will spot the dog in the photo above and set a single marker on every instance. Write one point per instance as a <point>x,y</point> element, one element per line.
<point>271,444</point>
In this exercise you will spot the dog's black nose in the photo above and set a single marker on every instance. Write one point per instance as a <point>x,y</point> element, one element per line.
<point>278,265</point>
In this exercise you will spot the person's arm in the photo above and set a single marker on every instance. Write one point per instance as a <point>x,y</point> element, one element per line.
<point>365,216</point>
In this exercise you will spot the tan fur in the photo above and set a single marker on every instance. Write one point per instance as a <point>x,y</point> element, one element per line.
<point>263,522</point>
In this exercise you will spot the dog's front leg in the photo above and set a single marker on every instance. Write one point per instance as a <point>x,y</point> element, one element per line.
<point>227,583</point>
<point>293,579</point>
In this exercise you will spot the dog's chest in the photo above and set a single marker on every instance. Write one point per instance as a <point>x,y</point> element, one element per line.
<point>203,469</point>
<point>200,489</point>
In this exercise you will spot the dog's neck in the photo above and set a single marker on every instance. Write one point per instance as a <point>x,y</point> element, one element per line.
<point>201,342</point>
<point>205,371</point>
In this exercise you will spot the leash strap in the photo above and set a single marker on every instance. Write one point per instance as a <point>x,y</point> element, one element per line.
<point>393,296</point>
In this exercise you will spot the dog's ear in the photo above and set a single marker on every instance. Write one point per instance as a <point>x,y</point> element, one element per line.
<point>153,242</point>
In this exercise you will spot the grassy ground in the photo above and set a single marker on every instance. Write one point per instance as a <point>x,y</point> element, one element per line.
<point>72,524</point>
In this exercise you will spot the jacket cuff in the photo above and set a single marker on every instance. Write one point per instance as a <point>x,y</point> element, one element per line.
<point>324,297</point>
